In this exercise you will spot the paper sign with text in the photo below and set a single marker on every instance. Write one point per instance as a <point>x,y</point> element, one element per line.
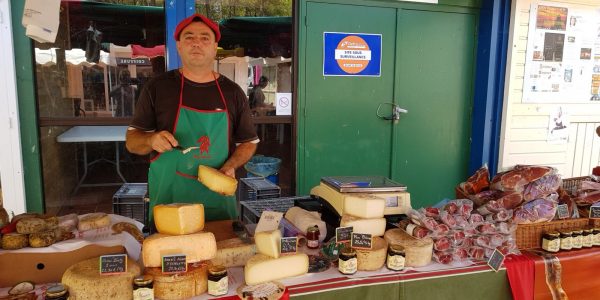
<point>269,220</point>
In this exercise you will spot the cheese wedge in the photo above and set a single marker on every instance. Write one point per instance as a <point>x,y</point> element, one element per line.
<point>196,246</point>
<point>217,181</point>
<point>179,218</point>
<point>267,242</point>
<point>364,206</point>
<point>374,227</point>
<point>262,268</point>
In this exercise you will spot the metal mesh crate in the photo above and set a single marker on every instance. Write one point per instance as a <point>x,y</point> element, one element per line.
<point>257,188</point>
<point>251,210</point>
<point>131,201</point>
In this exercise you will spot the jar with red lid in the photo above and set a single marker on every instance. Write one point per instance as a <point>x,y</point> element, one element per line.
<point>312,237</point>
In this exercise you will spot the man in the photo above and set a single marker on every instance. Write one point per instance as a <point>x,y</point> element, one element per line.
<point>257,96</point>
<point>192,107</point>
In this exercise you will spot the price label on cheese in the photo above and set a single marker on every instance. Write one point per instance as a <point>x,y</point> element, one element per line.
<point>563,211</point>
<point>595,212</point>
<point>343,234</point>
<point>174,264</point>
<point>113,264</point>
<point>496,260</point>
<point>361,241</point>
<point>288,245</point>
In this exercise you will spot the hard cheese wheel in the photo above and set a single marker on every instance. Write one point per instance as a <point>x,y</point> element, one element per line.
<point>374,226</point>
<point>233,253</point>
<point>262,268</point>
<point>179,218</point>
<point>192,283</point>
<point>418,251</point>
<point>217,181</point>
<point>374,259</point>
<point>196,246</point>
<point>85,282</point>
<point>93,221</point>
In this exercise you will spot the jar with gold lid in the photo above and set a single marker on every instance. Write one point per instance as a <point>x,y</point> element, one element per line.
<point>347,263</point>
<point>143,287</point>
<point>57,292</point>
<point>587,237</point>
<point>218,283</point>
<point>566,240</point>
<point>577,239</point>
<point>396,257</point>
<point>551,241</point>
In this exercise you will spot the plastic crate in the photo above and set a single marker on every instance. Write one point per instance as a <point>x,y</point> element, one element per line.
<point>257,188</point>
<point>251,210</point>
<point>131,201</point>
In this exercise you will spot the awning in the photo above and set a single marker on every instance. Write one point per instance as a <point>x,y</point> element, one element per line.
<point>259,36</point>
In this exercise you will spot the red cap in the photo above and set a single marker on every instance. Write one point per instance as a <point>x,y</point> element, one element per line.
<point>197,17</point>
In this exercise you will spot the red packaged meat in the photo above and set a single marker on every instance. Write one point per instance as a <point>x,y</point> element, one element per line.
<point>539,210</point>
<point>486,228</point>
<point>442,257</point>
<point>542,187</point>
<point>448,219</point>
<point>483,241</point>
<point>587,197</point>
<point>505,200</point>
<point>502,215</point>
<point>497,240</point>
<point>458,237</point>
<point>460,254</point>
<point>479,181</point>
<point>468,242</point>
<point>519,177</point>
<point>461,221</point>
<point>432,212</point>
<point>484,197</point>
<point>476,219</point>
<point>441,230</point>
<point>476,252</point>
<point>506,228</point>
<point>441,243</point>
<point>451,208</point>
<point>413,229</point>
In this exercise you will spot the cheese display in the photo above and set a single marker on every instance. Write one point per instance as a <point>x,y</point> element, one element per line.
<point>262,268</point>
<point>303,219</point>
<point>267,242</point>
<point>364,206</point>
<point>373,259</point>
<point>179,218</point>
<point>196,246</point>
<point>374,227</point>
<point>418,251</point>
<point>85,282</point>
<point>233,253</point>
<point>217,181</point>
<point>93,221</point>
<point>42,239</point>
<point>181,285</point>
<point>14,241</point>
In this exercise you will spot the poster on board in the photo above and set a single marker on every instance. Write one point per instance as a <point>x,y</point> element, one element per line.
<point>558,126</point>
<point>351,54</point>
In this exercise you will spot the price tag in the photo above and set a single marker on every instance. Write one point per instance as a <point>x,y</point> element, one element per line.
<point>269,220</point>
<point>595,212</point>
<point>343,234</point>
<point>113,264</point>
<point>563,211</point>
<point>361,241</point>
<point>288,245</point>
<point>496,260</point>
<point>174,264</point>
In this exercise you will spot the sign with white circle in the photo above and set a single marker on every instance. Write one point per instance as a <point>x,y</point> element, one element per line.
<point>351,54</point>
<point>283,105</point>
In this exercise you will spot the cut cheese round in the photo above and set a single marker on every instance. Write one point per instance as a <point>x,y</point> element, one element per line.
<point>418,251</point>
<point>303,219</point>
<point>373,259</point>
<point>93,221</point>
<point>196,246</point>
<point>14,241</point>
<point>364,206</point>
<point>85,282</point>
<point>262,268</point>
<point>181,285</point>
<point>179,218</point>
<point>267,242</point>
<point>374,227</point>
<point>233,253</point>
<point>217,181</point>
<point>31,225</point>
<point>42,239</point>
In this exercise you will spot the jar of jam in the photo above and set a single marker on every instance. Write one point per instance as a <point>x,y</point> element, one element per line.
<point>143,287</point>
<point>566,240</point>
<point>551,241</point>
<point>347,262</point>
<point>312,237</point>
<point>577,239</point>
<point>57,292</point>
<point>218,283</point>
<point>596,238</point>
<point>588,235</point>
<point>396,257</point>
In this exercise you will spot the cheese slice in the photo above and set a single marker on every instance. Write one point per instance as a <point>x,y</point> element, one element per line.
<point>374,226</point>
<point>185,285</point>
<point>93,221</point>
<point>233,253</point>
<point>196,246</point>
<point>217,181</point>
<point>303,219</point>
<point>418,251</point>
<point>364,206</point>
<point>262,268</point>
<point>374,258</point>
<point>267,242</point>
<point>179,218</point>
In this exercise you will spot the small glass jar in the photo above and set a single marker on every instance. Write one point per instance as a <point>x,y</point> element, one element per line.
<point>57,292</point>
<point>218,283</point>
<point>596,238</point>
<point>143,287</point>
<point>587,238</point>
<point>566,240</point>
<point>312,237</point>
<point>551,241</point>
<point>396,257</point>
<point>577,239</point>
<point>347,262</point>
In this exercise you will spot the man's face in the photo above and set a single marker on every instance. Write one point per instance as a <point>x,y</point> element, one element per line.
<point>196,45</point>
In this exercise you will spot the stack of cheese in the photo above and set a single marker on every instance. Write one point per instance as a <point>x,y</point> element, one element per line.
<point>269,264</point>
<point>179,226</point>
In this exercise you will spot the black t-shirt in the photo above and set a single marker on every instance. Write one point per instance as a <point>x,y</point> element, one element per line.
<point>157,106</point>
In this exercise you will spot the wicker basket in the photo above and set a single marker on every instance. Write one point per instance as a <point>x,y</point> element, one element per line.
<point>529,236</point>
<point>571,185</point>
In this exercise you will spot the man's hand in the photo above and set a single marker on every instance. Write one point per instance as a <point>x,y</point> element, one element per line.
<point>142,143</point>
<point>163,141</point>
<point>228,171</point>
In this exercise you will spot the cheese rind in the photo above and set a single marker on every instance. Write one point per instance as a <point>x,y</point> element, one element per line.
<point>262,268</point>
<point>181,285</point>
<point>374,226</point>
<point>267,242</point>
<point>233,253</point>
<point>179,218</point>
<point>93,221</point>
<point>364,206</point>
<point>373,259</point>
<point>196,246</point>
<point>217,181</point>
<point>418,251</point>
<point>303,219</point>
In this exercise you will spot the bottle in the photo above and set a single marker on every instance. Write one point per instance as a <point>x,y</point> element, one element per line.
<point>395,258</point>
<point>566,240</point>
<point>143,288</point>
<point>551,241</point>
<point>312,237</point>
<point>588,235</point>
<point>577,239</point>
<point>347,263</point>
<point>218,283</point>
<point>57,292</point>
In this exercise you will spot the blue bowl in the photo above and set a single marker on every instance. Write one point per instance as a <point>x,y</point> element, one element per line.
<point>263,165</point>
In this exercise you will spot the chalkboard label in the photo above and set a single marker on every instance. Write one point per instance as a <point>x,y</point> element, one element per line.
<point>496,260</point>
<point>361,241</point>
<point>343,234</point>
<point>563,211</point>
<point>113,264</point>
<point>595,212</point>
<point>174,264</point>
<point>288,245</point>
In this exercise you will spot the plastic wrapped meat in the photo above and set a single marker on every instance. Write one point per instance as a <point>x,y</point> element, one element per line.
<point>539,210</point>
<point>477,182</point>
<point>497,240</point>
<point>441,229</point>
<point>476,252</point>
<point>476,219</point>
<point>542,187</point>
<point>460,254</point>
<point>464,206</point>
<point>519,177</point>
<point>461,221</point>
<point>486,228</point>
<point>502,215</point>
<point>483,241</point>
<point>458,237</point>
<point>441,244</point>
<point>442,257</point>
<point>448,219</point>
<point>432,212</point>
<point>505,228</point>
<point>451,208</point>
<point>587,197</point>
<point>68,222</point>
<point>505,200</point>
<point>484,197</point>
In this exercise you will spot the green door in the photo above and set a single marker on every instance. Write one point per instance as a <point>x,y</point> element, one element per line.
<point>426,68</point>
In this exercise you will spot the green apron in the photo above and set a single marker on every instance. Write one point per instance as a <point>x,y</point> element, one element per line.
<point>173,176</point>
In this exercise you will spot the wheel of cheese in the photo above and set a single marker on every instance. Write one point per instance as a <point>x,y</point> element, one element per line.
<point>192,283</point>
<point>418,251</point>
<point>14,241</point>
<point>233,253</point>
<point>217,181</point>
<point>93,221</point>
<point>373,259</point>
<point>86,283</point>
<point>262,268</point>
<point>196,246</point>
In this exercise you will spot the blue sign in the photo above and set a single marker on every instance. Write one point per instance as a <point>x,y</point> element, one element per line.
<point>351,54</point>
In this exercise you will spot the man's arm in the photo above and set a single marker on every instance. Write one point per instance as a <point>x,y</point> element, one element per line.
<point>142,143</point>
<point>241,155</point>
